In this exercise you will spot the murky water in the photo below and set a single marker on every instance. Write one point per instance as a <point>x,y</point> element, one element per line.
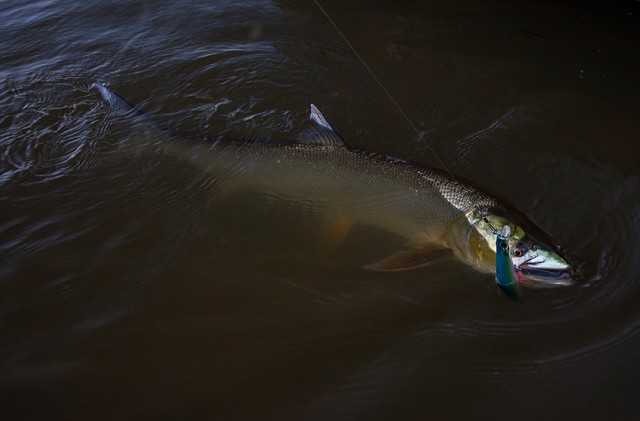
<point>132,286</point>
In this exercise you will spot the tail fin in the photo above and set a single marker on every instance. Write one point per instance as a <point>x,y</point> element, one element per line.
<point>121,106</point>
<point>115,101</point>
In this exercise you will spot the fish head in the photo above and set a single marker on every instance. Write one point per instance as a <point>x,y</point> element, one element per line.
<point>536,258</point>
<point>537,264</point>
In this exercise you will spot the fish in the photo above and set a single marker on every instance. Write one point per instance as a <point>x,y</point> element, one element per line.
<point>440,217</point>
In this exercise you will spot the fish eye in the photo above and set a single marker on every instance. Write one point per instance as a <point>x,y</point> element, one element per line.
<point>520,249</point>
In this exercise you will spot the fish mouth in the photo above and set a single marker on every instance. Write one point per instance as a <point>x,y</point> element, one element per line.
<point>534,276</point>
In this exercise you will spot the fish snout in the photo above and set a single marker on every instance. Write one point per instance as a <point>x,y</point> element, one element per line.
<point>543,269</point>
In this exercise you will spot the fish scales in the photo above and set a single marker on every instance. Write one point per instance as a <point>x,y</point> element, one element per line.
<point>438,215</point>
<point>398,196</point>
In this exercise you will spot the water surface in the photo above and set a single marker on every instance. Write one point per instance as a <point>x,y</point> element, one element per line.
<point>132,286</point>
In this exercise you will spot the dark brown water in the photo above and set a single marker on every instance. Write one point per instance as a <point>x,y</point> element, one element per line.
<point>130,287</point>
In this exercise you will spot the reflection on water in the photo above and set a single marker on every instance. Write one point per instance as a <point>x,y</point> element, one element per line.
<point>133,285</point>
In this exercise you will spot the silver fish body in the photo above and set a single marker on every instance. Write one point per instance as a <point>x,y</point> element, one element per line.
<point>416,203</point>
<point>437,214</point>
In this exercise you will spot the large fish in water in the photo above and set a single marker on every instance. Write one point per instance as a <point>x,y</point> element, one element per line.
<point>438,215</point>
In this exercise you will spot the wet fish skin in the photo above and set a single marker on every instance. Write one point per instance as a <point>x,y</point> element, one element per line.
<point>424,205</point>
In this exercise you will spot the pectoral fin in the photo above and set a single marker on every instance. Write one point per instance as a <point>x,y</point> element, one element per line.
<point>339,226</point>
<point>411,259</point>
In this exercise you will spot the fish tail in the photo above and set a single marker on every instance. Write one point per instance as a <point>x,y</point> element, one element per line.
<point>121,106</point>
<point>115,101</point>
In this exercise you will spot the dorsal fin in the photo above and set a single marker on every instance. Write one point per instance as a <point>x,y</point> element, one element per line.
<point>321,131</point>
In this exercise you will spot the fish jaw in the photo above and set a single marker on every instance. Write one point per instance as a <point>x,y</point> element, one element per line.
<point>542,268</point>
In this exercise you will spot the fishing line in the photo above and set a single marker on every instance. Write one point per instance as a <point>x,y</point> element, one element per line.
<point>373,75</point>
<point>394,102</point>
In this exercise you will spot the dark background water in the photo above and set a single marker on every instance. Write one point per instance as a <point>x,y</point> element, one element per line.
<point>130,287</point>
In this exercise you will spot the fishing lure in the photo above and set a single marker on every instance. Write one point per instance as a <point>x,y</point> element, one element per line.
<point>506,277</point>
